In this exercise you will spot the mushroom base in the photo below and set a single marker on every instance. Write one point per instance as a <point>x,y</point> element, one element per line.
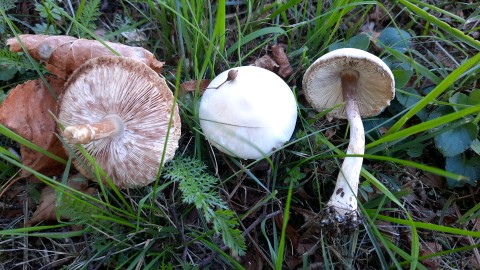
<point>336,223</point>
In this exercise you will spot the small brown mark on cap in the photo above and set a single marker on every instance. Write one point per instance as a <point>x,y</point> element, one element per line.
<point>232,74</point>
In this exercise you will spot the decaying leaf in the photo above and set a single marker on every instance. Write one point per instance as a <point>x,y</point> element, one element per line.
<point>46,210</point>
<point>63,54</point>
<point>266,62</point>
<point>26,111</point>
<point>191,86</point>
<point>280,57</point>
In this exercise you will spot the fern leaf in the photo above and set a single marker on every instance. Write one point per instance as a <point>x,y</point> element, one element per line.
<point>10,59</point>
<point>89,14</point>
<point>199,188</point>
<point>7,4</point>
<point>226,223</point>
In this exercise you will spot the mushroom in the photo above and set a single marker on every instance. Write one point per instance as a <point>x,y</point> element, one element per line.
<point>248,115</point>
<point>364,85</point>
<point>120,110</point>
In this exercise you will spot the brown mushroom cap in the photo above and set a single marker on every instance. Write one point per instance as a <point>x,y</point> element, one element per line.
<point>375,86</point>
<point>129,91</point>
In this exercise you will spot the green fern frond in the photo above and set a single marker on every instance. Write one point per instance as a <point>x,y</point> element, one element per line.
<point>88,15</point>
<point>10,59</point>
<point>224,221</point>
<point>200,188</point>
<point>7,4</point>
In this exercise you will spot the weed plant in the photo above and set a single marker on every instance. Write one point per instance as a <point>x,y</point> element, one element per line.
<point>418,198</point>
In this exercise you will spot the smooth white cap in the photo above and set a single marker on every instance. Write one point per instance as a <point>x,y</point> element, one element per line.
<point>323,88</point>
<point>249,116</point>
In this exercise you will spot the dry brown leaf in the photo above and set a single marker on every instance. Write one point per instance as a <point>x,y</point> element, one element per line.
<point>191,86</point>
<point>46,210</point>
<point>63,54</point>
<point>266,62</point>
<point>26,111</point>
<point>432,180</point>
<point>280,57</point>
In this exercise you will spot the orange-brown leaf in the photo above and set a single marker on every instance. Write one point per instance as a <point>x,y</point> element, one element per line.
<point>280,57</point>
<point>63,54</point>
<point>46,210</point>
<point>26,111</point>
<point>191,86</point>
<point>266,62</point>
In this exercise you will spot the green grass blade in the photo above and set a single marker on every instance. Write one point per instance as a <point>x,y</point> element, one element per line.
<point>424,126</point>
<point>219,31</point>
<point>33,231</point>
<point>275,30</point>
<point>439,89</point>
<point>442,25</point>
<point>419,166</point>
<point>286,214</point>
<point>12,135</point>
<point>432,227</point>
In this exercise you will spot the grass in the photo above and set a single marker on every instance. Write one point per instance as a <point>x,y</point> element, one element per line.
<point>406,204</point>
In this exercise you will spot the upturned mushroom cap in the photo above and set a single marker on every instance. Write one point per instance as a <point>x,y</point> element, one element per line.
<point>133,96</point>
<point>248,116</point>
<point>375,85</point>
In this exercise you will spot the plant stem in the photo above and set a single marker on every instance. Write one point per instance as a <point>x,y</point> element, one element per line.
<point>109,127</point>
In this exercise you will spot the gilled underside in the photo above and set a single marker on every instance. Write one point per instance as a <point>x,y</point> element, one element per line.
<point>113,87</point>
<point>323,91</point>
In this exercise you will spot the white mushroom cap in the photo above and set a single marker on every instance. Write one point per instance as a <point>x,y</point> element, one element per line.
<point>249,116</point>
<point>120,110</point>
<point>375,85</point>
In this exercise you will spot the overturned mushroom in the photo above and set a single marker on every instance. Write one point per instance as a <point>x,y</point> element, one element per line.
<point>364,85</point>
<point>121,111</point>
<point>248,115</point>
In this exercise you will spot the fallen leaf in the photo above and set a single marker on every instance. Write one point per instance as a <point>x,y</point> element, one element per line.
<point>191,86</point>
<point>266,62</point>
<point>432,180</point>
<point>280,57</point>
<point>26,111</point>
<point>63,54</point>
<point>46,210</point>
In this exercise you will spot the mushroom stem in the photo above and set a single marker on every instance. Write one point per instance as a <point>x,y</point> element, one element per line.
<point>110,126</point>
<point>344,198</point>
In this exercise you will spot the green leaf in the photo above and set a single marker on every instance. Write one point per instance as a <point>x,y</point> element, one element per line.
<point>462,165</point>
<point>7,74</point>
<point>408,98</point>
<point>396,39</point>
<point>458,98</point>
<point>47,10</point>
<point>402,76</point>
<point>474,97</point>
<point>476,146</point>
<point>455,141</point>
<point>43,28</point>
<point>415,152</point>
